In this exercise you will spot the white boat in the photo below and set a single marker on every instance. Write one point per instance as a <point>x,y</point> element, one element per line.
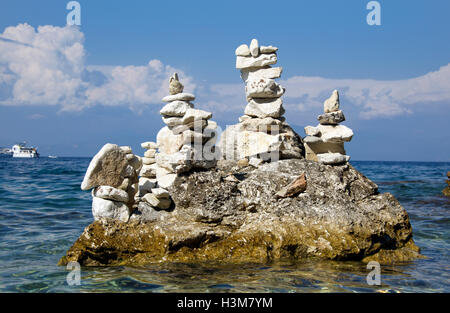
<point>21,151</point>
<point>52,156</point>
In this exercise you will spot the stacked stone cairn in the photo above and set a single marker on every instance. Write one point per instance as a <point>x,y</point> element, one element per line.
<point>113,177</point>
<point>262,133</point>
<point>150,197</point>
<point>325,143</point>
<point>188,140</point>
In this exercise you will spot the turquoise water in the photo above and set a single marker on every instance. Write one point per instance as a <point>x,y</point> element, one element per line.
<point>43,211</point>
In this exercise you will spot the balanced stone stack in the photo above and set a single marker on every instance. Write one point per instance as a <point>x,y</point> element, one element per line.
<point>325,143</point>
<point>112,176</point>
<point>188,140</point>
<point>262,133</point>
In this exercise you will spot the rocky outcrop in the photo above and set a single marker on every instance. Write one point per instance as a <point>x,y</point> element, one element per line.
<point>256,199</point>
<point>234,213</point>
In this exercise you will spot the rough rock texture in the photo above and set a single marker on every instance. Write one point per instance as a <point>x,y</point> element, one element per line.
<point>107,168</point>
<point>232,214</point>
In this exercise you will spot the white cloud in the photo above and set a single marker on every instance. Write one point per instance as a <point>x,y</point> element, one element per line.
<point>373,97</point>
<point>46,66</point>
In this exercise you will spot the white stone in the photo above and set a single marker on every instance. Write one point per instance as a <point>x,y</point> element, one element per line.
<point>173,121</point>
<point>175,87</point>
<point>267,49</point>
<point>258,73</point>
<point>332,158</point>
<point>105,168</point>
<point>161,171</point>
<point>255,162</point>
<point>148,161</point>
<point>175,162</point>
<point>167,181</point>
<point>149,145</point>
<point>243,51</point>
<point>135,161</point>
<point>169,142</point>
<point>126,149</point>
<point>260,61</point>
<point>161,193</point>
<point>110,193</point>
<point>263,88</point>
<point>267,124</point>
<point>155,202</point>
<point>312,131</point>
<point>124,186</point>
<point>102,208</point>
<point>244,118</point>
<point>335,133</point>
<point>254,48</point>
<point>265,108</point>
<point>197,125</point>
<point>146,185</point>
<point>332,103</point>
<point>195,114</point>
<point>184,96</point>
<point>148,171</point>
<point>150,153</point>
<point>175,108</point>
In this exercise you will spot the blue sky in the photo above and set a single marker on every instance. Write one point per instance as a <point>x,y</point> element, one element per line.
<point>394,79</point>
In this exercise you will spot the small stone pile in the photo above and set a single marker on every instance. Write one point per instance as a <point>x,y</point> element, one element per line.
<point>112,176</point>
<point>188,140</point>
<point>325,143</point>
<point>446,190</point>
<point>151,200</point>
<point>262,133</point>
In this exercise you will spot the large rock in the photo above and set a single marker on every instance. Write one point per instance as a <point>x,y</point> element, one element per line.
<point>260,61</point>
<point>236,144</point>
<point>339,216</point>
<point>258,73</point>
<point>336,133</point>
<point>110,193</point>
<point>332,118</point>
<point>265,108</point>
<point>107,209</point>
<point>175,108</point>
<point>106,168</point>
<point>332,103</point>
<point>332,158</point>
<point>263,88</point>
<point>184,96</point>
<point>169,142</point>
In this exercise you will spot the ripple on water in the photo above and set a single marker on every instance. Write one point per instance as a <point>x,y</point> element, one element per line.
<point>43,211</point>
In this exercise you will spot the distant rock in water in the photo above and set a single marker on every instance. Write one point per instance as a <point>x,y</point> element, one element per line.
<point>446,190</point>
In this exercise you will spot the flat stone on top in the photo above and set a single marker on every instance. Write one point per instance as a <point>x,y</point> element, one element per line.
<point>184,96</point>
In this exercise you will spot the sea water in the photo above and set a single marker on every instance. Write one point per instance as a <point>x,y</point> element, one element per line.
<point>43,211</point>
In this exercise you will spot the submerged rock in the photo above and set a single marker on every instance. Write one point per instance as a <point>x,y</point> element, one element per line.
<point>338,215</point>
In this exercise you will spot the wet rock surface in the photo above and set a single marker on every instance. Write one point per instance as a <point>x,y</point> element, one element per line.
<point>231,213</point>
